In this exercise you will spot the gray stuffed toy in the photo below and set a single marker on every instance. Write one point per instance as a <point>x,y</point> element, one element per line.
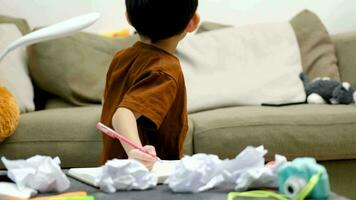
<point>325,90</point>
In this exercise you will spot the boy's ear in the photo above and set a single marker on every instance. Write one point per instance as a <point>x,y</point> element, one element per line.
<point>193,23</point>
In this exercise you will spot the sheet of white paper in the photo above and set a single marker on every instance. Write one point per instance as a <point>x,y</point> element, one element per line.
<point>11,191</point>
<point>41,173</point>
<point>162,170</point>
<point>125,175</point>
<point>87,175</point>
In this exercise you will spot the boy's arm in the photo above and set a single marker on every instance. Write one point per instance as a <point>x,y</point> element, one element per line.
<point>124,122</point>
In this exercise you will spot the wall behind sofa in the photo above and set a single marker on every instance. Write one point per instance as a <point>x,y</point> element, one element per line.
<point>338,15</point>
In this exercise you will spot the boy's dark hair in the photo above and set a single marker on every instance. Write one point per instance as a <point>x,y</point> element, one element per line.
<point>160,19</point>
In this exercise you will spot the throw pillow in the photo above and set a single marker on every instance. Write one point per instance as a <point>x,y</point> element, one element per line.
<point>21,24</point>
<point>13,69</point>
<point>75,67</point>
<point>248,65</point>
<point>317,51</point>
<point>209,26</point>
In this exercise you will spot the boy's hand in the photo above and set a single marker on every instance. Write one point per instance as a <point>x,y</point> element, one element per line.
<point>142,157</point>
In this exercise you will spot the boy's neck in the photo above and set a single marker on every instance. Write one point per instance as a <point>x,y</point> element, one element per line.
<point>169,45</point>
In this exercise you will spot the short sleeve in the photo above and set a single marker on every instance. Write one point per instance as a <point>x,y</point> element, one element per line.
<point>151,96</point>
<point>109,73</point>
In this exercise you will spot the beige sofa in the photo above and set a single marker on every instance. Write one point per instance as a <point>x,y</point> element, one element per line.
<point>322,131</point>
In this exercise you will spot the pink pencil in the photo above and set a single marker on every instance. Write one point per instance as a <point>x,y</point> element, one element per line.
<point>108,131</point>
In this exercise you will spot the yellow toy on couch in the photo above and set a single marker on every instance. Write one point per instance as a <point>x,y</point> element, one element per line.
<point>9,113</point>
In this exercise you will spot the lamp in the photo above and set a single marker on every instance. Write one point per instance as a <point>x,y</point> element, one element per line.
<point>61,29</point>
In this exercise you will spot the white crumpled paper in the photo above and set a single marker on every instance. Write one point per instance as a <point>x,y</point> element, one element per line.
<point>202,172</point>
<point>125,175</point>
<point>250,157</point>
<point>41,173</point>
<point>260,177</point>
<point>196,173</point>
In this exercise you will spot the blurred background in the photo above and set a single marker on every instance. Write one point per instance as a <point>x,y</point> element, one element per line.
<point>337,15</point>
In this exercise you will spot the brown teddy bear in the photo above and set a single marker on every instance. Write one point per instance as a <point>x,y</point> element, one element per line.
<point>9,113</point>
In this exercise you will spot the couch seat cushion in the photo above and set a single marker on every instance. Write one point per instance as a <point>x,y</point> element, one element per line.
<point>326,132</point>
<point>69,133</point>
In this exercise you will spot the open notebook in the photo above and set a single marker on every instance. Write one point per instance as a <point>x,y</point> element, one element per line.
<point>88,175</point>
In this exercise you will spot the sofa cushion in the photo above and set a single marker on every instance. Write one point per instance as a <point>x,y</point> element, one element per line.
<point>55,103</point>
<point>74,68</point>
<point>14,73</point>
<point>247,65</point>
<point>189,142</point>
<point>345,44</point>
<point>317,51</point>
<point>322,131</point>
<point>210,26</point>
<point>21,24</point>
<point>69,133</point>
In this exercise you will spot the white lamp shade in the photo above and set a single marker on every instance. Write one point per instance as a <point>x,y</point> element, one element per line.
<point>58,30</point>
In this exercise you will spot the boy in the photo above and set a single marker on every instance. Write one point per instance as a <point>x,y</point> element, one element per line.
<point>145,96</point>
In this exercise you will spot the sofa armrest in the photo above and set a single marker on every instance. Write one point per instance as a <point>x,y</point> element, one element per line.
<point>345,44</point>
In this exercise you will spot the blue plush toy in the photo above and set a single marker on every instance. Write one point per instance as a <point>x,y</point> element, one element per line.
<point>324,90</point>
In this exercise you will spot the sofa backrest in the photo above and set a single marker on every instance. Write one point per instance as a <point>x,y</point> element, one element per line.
<point>345,44</point>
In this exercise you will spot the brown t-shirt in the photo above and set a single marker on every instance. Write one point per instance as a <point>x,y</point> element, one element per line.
<point>149,81</point>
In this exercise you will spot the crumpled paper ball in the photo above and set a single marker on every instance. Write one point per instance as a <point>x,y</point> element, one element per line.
<point>9,113</point>
<point>196,173</point>
<point>249,158</point>
<point>260,177</point>
<point>119,174</point>
<point>41,173</point>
